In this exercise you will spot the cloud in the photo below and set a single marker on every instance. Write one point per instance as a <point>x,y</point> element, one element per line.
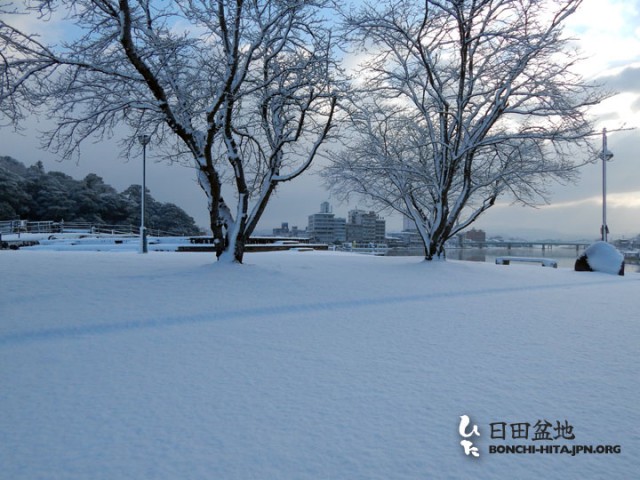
<point>570,219</point>
<point>606,31</point>
<point>49,27</point>
<point>627,80</point>
<point>624,200</point>
<point>614,200</point>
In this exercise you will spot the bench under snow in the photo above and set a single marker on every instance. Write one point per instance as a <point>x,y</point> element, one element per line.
<point>546,262</point>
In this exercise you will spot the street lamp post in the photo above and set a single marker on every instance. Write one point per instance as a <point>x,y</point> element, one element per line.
<point>606,156</point>
<point>144,140</point>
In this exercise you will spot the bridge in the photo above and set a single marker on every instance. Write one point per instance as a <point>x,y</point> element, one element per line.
<point>544,244</point>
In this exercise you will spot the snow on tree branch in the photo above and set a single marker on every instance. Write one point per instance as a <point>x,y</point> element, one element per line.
<point>464,102</point>
<point>245,90</point>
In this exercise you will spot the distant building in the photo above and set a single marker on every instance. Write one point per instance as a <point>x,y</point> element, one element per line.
<point>473,235</point>
<point>324,227</point>
<point>285,231</point>
<point>365,227</point>
<point>406,239</point>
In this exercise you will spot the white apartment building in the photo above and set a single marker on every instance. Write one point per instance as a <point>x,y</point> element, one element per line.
<point>324,227</point>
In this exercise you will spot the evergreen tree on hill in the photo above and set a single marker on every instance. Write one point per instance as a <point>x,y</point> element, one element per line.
<point>34,194</point>
<point>14,200</point>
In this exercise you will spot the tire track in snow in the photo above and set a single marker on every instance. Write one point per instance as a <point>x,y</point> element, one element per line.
<point>83,331</point>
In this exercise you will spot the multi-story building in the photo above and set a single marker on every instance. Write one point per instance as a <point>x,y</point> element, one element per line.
<point>365,227</point>
<point>285,231</point>
<point>324,227</point>
<point>474,235</point>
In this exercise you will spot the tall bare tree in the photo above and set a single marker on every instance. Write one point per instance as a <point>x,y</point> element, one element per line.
<point>243,88</point>
<point>462,101</point>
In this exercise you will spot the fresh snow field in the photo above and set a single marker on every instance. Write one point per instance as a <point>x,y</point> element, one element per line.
<point>310,365</point>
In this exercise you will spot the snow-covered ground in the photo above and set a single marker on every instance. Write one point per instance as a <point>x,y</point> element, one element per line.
<point>310,365</point>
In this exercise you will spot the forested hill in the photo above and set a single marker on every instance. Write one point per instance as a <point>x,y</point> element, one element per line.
<point>33,194</point>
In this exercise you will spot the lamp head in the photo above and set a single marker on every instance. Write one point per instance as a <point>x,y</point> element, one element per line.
<point>606,155</point>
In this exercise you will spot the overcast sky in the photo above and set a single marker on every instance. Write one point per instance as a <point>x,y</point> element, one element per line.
<point>608,33</point>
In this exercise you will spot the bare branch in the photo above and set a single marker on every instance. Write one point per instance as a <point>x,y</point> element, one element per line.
<point>245,89</point>
<point>464,102</point>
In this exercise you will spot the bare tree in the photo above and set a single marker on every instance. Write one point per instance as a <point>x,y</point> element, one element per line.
<point>242,88</point>
<point>461,102</point>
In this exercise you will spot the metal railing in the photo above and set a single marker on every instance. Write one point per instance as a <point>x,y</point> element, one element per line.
<point>24,226</point>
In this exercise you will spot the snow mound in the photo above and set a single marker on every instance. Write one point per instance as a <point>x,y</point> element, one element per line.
<point>602,257</point>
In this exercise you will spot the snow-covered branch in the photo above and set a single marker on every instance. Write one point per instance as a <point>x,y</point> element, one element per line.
<point>466,101</point>
<point>247,89</point>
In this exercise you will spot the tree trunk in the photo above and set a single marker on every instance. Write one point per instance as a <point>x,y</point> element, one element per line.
<point>216,230</point>
<point>233,251</point>
<point>434,249</point>
<point>238,253</point>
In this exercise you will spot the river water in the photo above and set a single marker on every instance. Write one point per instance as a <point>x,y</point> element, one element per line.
<point>565,256</point>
